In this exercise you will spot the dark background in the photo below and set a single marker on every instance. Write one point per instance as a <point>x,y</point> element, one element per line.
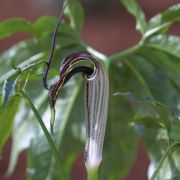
<point>109,29</point>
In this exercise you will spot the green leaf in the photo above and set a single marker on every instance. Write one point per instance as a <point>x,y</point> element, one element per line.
<point>7,115</point>
<point>156,79</point>
<point>75,13</point>
<point>22,135</point>
<point>156,124</point>
<point>57,158</point>
<point>23,53</point>
<point>39,151</point>
<point>33,51</point>
<point>166,43</point>
<point>24,130</point>
<point>133,7</point>
<point>138,75</point>
<point>43,26</point>
<point>159,135</point>
<point>161,61</point>
<point>160,22</point>
<point>10,26</point>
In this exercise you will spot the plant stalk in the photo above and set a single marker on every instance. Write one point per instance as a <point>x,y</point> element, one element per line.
<point>92,173</point>
<point>55,153</point>
<point>125,53</point>
<point>168,151</point>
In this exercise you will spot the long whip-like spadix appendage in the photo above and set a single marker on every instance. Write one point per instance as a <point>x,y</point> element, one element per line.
<point>96,100</point>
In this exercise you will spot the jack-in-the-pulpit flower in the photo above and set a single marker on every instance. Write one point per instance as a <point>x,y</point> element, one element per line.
<point>96,100</point>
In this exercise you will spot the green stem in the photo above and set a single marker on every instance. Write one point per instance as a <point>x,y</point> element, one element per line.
<point>169,150</point>
<point>55,153</point>
<point>125,53</point>
<point>162,49</point>
<point>26,65</point>
<point>92,173</point>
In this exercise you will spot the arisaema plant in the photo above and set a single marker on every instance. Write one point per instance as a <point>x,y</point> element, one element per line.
<point>70,116</point>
